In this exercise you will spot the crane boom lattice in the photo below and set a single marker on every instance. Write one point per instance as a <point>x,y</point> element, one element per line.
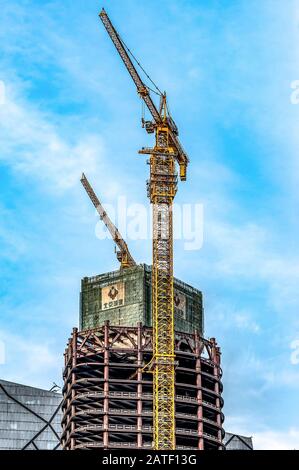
<point>162,191</point>
<point>123,255</point>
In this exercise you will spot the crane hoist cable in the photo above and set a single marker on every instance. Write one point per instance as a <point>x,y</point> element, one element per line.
<point>158,92</point>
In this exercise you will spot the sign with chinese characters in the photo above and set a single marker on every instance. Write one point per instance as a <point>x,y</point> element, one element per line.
<point>179,302</point>
<point>113,296</point>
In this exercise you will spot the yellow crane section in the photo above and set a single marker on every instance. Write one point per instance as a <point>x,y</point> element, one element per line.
<point>162,188</point>
<point>123,254</point>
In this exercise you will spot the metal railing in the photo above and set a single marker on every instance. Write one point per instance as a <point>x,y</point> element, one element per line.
<point>142,396</point>
<point>129,427</point>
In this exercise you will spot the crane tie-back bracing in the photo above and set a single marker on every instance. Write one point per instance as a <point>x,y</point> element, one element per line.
<point>162,187</point>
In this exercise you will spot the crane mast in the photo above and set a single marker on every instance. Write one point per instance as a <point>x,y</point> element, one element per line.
<point>162,187</point>
<point>123,255</point>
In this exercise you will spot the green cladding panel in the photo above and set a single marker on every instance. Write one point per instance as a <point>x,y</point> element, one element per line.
<point>124,298</point>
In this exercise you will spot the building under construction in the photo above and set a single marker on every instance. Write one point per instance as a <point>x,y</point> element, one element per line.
<point>139,372</point>
<point>108,393</point>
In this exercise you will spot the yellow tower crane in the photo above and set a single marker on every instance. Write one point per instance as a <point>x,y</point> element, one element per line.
<point>162,187</point>
<point>123,254</point>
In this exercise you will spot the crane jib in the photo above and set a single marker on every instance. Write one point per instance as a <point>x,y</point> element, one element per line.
<point>141,88</point>
<point>125,256</point>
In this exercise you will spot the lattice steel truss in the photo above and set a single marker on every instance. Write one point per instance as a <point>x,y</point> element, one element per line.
<point>161,190</point>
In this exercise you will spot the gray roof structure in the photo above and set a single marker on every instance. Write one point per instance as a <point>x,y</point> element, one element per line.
<point>237,442</point>
<point>30,418</point>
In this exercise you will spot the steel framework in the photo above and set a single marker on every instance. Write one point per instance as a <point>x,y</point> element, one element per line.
<point>108,397</point>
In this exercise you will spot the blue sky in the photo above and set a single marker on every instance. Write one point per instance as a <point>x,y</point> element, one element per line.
<point>71,107</point>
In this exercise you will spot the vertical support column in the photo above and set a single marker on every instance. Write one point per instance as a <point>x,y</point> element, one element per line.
<point>199,392</point>
<point>66,377</point>
<point>216,360</point>
<point>106,387</point>
<point>73,380</point>
<point>63,424</point>
<point>139,386</point>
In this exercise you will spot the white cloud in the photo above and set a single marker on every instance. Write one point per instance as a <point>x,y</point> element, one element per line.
<point>13,243</point>
<point>243,321</point>
<point>263,438</point>
<point>36,356</point>
<point>250,252</point>
<point>277,440</point>
<point>31,144</point>
<point>278,378</point>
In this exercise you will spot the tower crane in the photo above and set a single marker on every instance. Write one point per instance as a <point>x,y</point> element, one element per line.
<point>123,254</point>
<point>162,187</point>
